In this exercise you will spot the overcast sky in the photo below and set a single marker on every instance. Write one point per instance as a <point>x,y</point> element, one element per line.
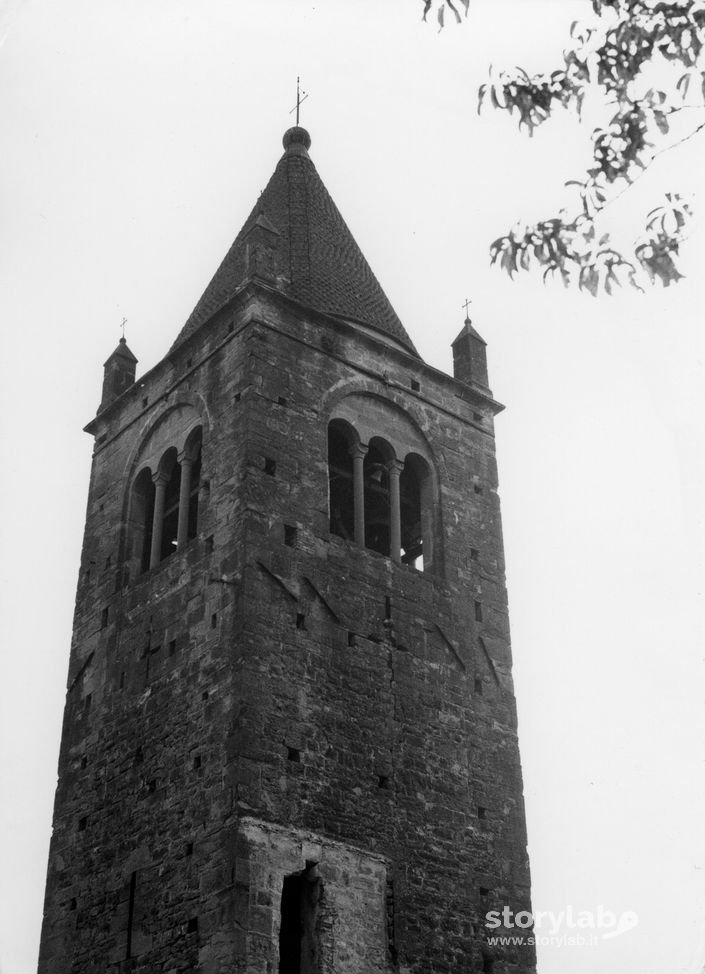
<point>135,139</point>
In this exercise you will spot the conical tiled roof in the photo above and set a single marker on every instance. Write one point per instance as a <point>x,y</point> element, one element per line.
<point>122,352</point>
<point>296,238</point>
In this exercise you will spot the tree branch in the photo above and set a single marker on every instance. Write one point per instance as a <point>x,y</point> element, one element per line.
<point>644,168</point>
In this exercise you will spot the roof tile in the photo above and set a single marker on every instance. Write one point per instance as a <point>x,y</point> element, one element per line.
<point>296,237</point>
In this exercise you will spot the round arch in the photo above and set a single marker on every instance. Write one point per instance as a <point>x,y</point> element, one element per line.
<point>163,516</point>
<point>390,501</point>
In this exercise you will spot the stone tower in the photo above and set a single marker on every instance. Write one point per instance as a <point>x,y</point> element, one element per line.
<point>290,740</point>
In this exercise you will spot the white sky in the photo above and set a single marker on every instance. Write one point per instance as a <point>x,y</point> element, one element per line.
<point>136,138</point>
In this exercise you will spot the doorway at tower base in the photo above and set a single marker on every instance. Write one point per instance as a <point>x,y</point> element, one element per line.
<point>306,903</point>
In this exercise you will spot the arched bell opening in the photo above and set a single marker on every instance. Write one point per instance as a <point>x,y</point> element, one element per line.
<point>169,475</point>
<point>191,486</point>
<point>378,513</point>
<point>416,513</point>
<point>342,441</point>
<point>163,512</point>
<point>383,504</point>
<point>141,518</point>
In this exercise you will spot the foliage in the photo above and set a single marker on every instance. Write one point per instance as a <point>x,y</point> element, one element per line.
<point>441,10</point>
<point>614,55</point>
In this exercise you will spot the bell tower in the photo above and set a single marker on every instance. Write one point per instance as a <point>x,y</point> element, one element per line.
<point>290,738</point>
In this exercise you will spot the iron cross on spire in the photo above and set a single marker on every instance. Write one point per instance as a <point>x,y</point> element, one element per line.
<point>301,96</point>
<point>467,304</point>
<point>122,325</point>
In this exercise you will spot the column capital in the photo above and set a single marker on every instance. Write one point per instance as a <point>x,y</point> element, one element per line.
<point>358,451</point>
<point>184,457</point>
<point>161,477</point>
<point>394,467</point>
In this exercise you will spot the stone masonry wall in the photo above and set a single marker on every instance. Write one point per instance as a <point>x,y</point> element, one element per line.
<point>272,682</point>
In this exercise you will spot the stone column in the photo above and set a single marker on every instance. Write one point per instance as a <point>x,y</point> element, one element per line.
<point>394,468</point>
<point>359,453</point>
<point>161,479</point>
<point>184,500</point>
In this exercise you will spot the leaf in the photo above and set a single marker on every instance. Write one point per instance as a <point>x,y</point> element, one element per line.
<point>614,277</point>
<point>496,248</point>
<point>662,122</point>
<point>683,84</point>
<point>592,281</point>
<point>588,279</point>
<point>441,16</point>
<point>458,18</point>
<point>509,262</point>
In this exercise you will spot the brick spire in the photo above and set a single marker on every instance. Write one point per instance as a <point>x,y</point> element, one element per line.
<point>296,241</point>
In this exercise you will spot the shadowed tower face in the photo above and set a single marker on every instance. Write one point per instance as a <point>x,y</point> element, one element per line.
<point>289,741</point>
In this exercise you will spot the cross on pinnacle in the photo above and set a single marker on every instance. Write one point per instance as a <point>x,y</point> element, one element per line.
<point>301,96</point>
<point>122,325</point>
<point>467,304</point>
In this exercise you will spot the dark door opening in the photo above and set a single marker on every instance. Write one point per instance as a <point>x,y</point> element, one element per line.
<point>298,934</point>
